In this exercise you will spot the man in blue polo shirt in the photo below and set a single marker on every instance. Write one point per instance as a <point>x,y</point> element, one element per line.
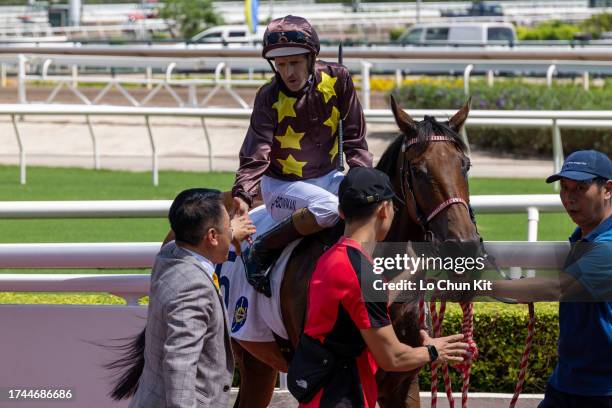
<point>583,375</point>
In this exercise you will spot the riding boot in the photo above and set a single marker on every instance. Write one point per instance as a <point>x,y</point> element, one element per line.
<point>268,247</point>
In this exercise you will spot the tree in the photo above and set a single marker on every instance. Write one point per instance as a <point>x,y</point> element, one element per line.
<point>597,24</point>
<point>191,16</point>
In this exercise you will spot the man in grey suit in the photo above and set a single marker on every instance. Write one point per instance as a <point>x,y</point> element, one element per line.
<point>183,358</point>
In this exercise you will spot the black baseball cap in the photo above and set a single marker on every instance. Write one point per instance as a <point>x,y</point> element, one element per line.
<point>584,165</point>
<point>363,186</point>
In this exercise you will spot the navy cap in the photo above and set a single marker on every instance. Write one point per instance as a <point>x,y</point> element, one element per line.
<point>362,186</point>
<point>584,165</point>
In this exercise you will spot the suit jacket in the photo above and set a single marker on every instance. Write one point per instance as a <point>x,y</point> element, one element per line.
<point>188,356</point>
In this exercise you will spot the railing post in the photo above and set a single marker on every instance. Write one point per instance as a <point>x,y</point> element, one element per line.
<point>365,83</point>
<point>533,218</point>
<point>169,69</point>
<point>398,78</point>
<point>75,75</point>
<point>21,78</point>
<point>585,80</point>
<point>466,78</point>
<point>155,164</point>
<point>549,74</point>
<point>149,77</point>
<point>557,150</point>
<point>3,81</point>
<point>208,144</point>
<point>94,143</point>
<point>228,76</point>
<point>22,155</point>
<point>490,77</point>
<point>192,95</point>
<point>220,66</point>
<point>464,136</point>
<point>45,68</point>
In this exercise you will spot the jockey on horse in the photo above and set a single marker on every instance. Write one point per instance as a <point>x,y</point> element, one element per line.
<point>291,147</point>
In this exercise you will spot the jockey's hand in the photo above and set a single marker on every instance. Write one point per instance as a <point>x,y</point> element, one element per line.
<point>242,227</point>
<point>239,207</point>
<point>450,348</point>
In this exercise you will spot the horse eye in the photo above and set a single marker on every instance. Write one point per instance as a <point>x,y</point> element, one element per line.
<point>466,164</point>
<point>419,171</point>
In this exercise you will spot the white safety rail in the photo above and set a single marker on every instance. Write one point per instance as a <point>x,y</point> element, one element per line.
<point>140,255</point>
<point>50,62</point>
<point>131,287</point>
<point>555,120</point>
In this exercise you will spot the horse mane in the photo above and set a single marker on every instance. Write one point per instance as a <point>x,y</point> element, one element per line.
<point>424,129</point>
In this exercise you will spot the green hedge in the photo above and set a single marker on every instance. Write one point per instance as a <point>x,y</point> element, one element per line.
<point>516,95</point>
<point>500,331</point>
<point>548,30</point>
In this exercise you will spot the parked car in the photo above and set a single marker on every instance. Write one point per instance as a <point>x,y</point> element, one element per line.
<point>459,34</point>
<point>228,34</point>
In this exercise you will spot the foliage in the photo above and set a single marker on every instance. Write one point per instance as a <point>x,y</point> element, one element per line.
<point>597,24</point>
<point>396,32</point>
<point>191,16</point>
<point>548,30</point>
<point>515,95</point>
<point>500,331</point>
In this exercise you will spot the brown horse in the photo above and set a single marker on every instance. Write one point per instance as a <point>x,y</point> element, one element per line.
<point>428,167</point>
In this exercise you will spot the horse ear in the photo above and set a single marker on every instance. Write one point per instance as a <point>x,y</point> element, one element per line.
<point>457,121</point>
<point>406,124</point>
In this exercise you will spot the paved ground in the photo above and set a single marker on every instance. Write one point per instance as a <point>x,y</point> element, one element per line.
<point>283,399</point>
<point>124,144</point>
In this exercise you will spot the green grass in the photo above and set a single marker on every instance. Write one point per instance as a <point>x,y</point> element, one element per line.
<point>79,184</point>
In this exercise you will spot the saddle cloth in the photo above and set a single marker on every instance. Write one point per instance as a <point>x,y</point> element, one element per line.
<point>251,315</point>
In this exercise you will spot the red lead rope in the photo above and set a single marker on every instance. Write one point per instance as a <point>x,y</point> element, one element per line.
<point>467,328</point>
<point>525,358</point>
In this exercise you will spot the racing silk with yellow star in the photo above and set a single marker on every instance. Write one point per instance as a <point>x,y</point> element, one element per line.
<point>294,136</point>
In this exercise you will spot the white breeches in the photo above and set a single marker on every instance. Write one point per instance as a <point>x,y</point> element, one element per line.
<point>319,195</point>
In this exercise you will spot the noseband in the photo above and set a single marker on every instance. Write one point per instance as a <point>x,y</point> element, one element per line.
<point>406,184</point>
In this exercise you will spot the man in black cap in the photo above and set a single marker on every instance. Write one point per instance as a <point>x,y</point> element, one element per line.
<point>341,322</point>
<point>583,375</point>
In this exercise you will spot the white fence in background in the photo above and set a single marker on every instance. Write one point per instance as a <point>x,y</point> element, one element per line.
<point>66,66</point>
<point>555,120</point>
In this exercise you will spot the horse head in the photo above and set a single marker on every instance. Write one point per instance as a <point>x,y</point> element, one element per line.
<point>431,179</point>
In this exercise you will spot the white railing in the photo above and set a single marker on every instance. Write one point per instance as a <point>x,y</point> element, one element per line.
<point>537,61</point>
<point>485,204</point>
<point>141,255</point>
<point>528,255</point>
<point>555,120</point>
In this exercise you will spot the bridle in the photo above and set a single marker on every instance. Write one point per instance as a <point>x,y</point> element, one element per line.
<point>407,182</point>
